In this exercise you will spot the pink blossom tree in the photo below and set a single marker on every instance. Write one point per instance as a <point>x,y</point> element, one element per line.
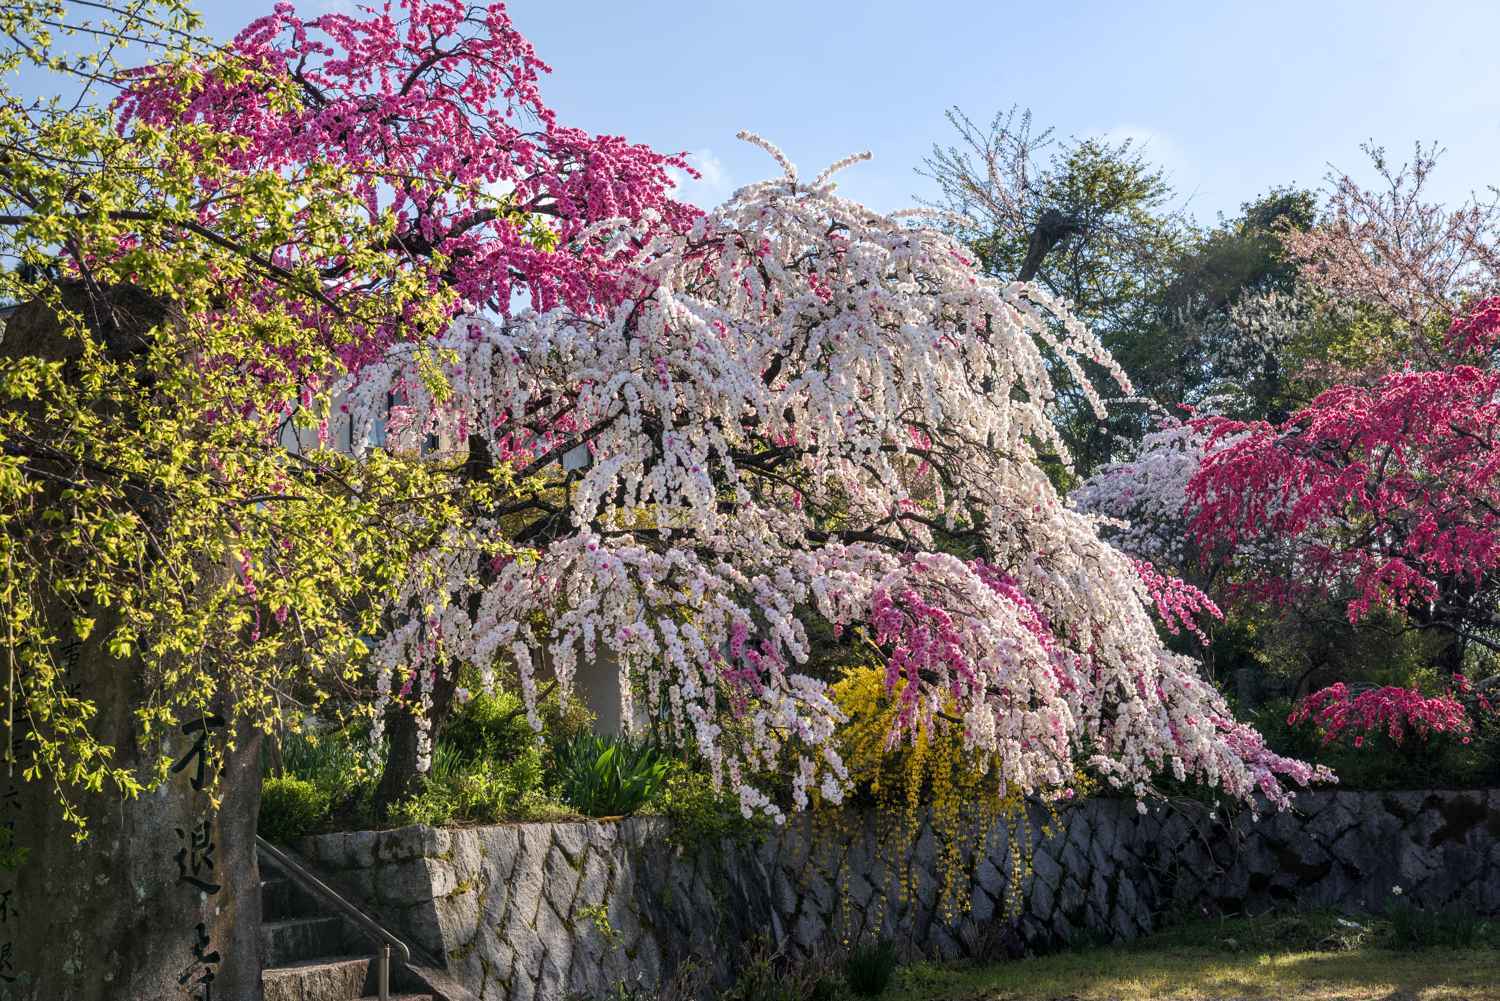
<point>1386,495</point>
<point>711,432</point>
<point>475,197</point>
<point>1342,714</point>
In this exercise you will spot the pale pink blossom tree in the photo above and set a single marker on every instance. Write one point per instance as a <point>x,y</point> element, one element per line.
<point>1391,248</point>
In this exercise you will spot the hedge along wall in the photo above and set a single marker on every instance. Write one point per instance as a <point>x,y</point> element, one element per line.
<point>547,910</point>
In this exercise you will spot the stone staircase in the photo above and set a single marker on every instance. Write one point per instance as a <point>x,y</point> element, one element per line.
<point>309,952</point>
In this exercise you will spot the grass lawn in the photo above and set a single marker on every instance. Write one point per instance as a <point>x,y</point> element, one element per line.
<point>1289,958</point>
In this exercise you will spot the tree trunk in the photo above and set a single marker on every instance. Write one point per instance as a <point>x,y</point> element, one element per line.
<point>162,901</point>
<point>398,778</point>
<point>1052,228</point>
<point>1449,658</point>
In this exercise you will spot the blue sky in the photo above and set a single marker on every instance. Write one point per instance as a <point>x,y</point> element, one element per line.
<point>1231,98</point>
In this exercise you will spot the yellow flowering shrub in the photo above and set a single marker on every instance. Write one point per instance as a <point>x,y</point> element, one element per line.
<point>958,788</point>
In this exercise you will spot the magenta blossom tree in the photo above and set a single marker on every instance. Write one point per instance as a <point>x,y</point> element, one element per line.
<point>1387,495</point>
<point>1402,714</point>
<point>474,197</point>
<point>431,114</point>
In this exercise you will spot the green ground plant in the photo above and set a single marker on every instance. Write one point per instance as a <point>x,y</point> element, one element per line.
<point>290,808</point>
<point>608,776</point>
<point>699,813</point>
<point>1408,928</point>
<point>487,767</point>
<point>767,974</point>
<point>1310,956</point>
<point>459,789</point>
<point>870,968</point>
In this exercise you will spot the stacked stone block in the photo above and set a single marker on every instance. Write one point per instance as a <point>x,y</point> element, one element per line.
<point>550,911</point>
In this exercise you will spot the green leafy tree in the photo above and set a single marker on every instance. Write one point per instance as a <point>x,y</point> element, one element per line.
<point>1087,219</point>
<point>1224,326</point>
<point>172,328</point>
<point>210,248</point>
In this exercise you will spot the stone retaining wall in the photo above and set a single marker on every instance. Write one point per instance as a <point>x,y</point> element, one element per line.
<point>554,911</point>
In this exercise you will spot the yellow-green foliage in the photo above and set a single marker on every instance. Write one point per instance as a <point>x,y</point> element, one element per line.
<point>146,509</point>
<point>700,814</point>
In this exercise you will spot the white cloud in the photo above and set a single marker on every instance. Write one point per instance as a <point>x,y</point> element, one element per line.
<point>710,188</point>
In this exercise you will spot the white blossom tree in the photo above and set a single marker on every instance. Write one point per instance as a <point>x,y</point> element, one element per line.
<point>810,414</point>
<point>1141,499</point>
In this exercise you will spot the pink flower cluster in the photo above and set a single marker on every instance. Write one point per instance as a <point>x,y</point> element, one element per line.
<point>434,111</point>
<point>1397,712</point>
<point>1476,333</point>
<point>1268,769</point>
<point>1178,603</point>
<point>928,642</point>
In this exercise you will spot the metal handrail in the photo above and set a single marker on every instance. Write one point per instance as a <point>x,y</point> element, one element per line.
<point>359,917</point>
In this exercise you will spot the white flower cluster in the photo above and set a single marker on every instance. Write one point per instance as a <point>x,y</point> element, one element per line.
<point>1141,500</point>
<point>809,400</point>
<point>1244,347</point>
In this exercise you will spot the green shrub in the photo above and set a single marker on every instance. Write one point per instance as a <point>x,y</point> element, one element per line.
<point>325,759</point>
<point>700,814</point>
<point>487,766</point>
<point>463,789</point>
<point>490,726</point>
<point>870,968</point>
<point>472,797</point>
<point>608,776</point>
<point>290,807</point>
<point>767,975</point>
<point>495,726</point>
<point>336,761</point>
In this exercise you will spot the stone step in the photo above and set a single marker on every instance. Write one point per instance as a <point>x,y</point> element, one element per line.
<point>293,940</point>
<point>345,979</point>
<point>281,898</point>
<point>318,979</point>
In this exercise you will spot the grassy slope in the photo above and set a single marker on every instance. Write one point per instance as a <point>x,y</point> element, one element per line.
<point>1306,958</point>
